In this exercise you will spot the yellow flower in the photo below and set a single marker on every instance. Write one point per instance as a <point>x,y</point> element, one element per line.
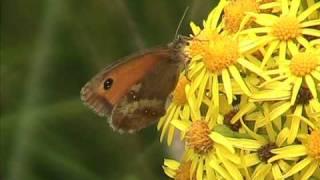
<point>298,92</point>
<point>209,151</point>
<point>257,152</point>
<point>216,56</point>
<point>308,154</point>
<point>304,67</point>
<point>251,95</point>
<point>294,116</point>
<point>286,30</point>
<point>178,109</point>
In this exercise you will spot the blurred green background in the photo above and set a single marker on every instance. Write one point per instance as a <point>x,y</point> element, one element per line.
<point>49,49</point>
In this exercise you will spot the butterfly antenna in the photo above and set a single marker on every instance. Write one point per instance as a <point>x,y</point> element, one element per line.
<point>181,20</point>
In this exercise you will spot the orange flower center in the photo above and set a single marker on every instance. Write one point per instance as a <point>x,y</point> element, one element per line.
<point>235,11</point>
<point>304,63</point>
<point>220,53</point>
<point>286,28</point>
<point>198,138</point>
<point>197,45</point>
<point>314,144</point>
<point>179,94</point>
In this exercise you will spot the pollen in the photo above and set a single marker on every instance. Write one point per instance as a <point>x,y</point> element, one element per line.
<point>304,63</point>
<point>235,11</point>
<point>197,137</point>
<point>179,94</point>
<point>195,48</point>
<point>264,152</point>
<point>221,53</point>
<point>286,28</point>
<point>183,173</point>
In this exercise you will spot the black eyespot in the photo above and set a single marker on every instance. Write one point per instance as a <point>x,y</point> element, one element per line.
<point>107,83</point>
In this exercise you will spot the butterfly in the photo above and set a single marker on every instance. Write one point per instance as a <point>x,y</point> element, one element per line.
<point>133,92</point>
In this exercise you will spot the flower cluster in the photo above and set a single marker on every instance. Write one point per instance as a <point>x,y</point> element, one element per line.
<point>247,106</point>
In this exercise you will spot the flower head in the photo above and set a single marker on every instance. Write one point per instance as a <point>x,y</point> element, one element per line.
<point>307,155</point>
<point>198,139</point>
<point>285,32</point>
<point>247,106</point>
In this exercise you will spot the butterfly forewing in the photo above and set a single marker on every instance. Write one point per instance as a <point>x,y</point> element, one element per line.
<point>133,92</point>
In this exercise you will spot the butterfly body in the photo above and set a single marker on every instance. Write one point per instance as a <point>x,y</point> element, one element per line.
<point>133,92</point>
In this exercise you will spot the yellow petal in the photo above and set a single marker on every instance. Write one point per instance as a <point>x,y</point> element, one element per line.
<point>316,75</point>
<point>309,11</point>
<point>220,170</point>
<point>310,171</point>
<point>227,85</point>
<point>243,110</point>
<point>218,138</point>
<point>215,15</point>
<point>292,47</point>
<point>296,88</point>
<point>237,77</point>
<point>284,6</point>
<point>310,23</point>
<point>170,110</point>
<point>270,5</point>
<point>276,171</point>
<point>294,6</point>
<point>310,32</point>
<point>282,52</point>
<point>282,136</point>
<point>295,124</point>
<point>171,164</point>
<point>298,167</point>
<point>261,171</point>
<point>288,152</point>
<point>311,85</point>
<point>303,41</point>
<point>195,29</point>
<point>200,169</point>
<point>253,68</point>
<point>235,173</point>
<point>215,90</point>
<point>264,19</point>
<point>201,91</point>
<point>245,144</point>
<point>273,45</point>
<point>181,125</point>
<point>278,111</point>
<point>251,160</point>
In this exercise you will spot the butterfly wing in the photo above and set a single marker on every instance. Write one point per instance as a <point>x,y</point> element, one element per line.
<point>138,91</point>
